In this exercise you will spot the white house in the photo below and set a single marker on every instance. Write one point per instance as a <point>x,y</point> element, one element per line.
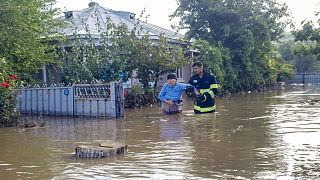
<point>80,22</point>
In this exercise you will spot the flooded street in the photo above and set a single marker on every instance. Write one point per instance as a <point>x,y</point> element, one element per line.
<point>269,135</point>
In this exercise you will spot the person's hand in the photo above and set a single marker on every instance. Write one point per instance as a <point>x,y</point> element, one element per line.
<point>201,98</point>
<point>189,89</point>
<point>197,92</point>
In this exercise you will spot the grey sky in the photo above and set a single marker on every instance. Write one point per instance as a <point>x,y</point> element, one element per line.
<point>159,10</point>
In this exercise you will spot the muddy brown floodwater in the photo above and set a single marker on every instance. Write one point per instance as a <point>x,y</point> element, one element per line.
<point>269,135</point>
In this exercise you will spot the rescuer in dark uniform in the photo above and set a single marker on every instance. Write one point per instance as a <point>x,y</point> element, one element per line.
<point>206,84</point>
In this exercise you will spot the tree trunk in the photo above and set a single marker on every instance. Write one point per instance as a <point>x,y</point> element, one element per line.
<point>155,83</point>
<point>104,149</point>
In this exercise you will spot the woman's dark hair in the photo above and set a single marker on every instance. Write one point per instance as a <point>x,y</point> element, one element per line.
<point>171,76</point>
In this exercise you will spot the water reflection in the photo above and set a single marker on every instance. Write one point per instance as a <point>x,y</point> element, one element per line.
<point>171,127</point>
<point>270,135</point>
<point>296,126</point>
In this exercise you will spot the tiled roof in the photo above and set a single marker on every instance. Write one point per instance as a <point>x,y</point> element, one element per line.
<point>78,22</point>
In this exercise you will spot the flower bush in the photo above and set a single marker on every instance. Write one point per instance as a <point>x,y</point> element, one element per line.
<point>8,82</point>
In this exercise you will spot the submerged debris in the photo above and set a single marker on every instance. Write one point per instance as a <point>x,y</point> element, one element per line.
<point>31,125</point>
<point>101,150</point>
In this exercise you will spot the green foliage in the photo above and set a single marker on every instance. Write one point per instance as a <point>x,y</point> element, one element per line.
<point>309,33</point>
<point>89,59</point>
<point>279,71</point>
<point>298,53</point>
<point>137,89</point>
<point>8,82</point>
<point>243,31</point>
<point>216,60</point>
<point>151,59</point>
<point>286,51</point>
<point>120,50</point>
<point>25,27</point>
<point>307,46</point>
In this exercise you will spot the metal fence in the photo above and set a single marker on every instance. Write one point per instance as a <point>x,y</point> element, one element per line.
<point>305,78</point>
<point>95,100</point>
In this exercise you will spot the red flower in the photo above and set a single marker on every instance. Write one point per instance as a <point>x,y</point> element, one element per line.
<point>4,84</point>
<point>13,76</point>
<point>7,81</point>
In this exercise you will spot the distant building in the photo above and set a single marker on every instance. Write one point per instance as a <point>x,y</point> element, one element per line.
<point>80,22</point>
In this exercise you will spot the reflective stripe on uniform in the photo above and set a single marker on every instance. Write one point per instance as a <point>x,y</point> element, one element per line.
<point>213,86</point>
<point>206,109</point>
<point>205,98</point>
<point>202,91</point>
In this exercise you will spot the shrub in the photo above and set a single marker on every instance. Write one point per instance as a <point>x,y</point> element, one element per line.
<point>8,82</point>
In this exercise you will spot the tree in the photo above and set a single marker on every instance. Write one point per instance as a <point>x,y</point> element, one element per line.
<point>243,28</point>
<point>216,60</point>
<point>308,40</point>
<point>26,27</point>
<point>299,54</point>
<point>122,50</point>
<point>151,59</point>
<point>286,51</point>
<point>311,34</point>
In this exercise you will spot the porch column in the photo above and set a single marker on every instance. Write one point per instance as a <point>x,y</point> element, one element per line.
<point>44,73</point>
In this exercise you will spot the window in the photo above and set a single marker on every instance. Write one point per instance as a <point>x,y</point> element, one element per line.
<point>179,73</point>
<point>68,14</point>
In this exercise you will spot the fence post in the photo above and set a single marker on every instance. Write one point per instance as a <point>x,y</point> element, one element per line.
<point>74,100</point>
<point>119,99</point>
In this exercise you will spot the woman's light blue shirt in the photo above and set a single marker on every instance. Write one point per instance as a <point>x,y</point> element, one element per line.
<point>172,92</point>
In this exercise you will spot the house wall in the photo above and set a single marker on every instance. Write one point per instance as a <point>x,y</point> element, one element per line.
<point>186,74</point>
<point>187,71</point>
<point>52,75</point>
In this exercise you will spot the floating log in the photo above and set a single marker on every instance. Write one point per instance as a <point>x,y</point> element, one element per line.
<point>101,150</point>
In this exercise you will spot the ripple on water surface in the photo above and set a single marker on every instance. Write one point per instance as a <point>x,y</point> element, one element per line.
<point>296,126</point>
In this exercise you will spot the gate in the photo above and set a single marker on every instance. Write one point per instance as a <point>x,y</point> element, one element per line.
<point>95,100</point>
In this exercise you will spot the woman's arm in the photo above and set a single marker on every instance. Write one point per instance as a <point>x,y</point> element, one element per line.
<point>162,93</point>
